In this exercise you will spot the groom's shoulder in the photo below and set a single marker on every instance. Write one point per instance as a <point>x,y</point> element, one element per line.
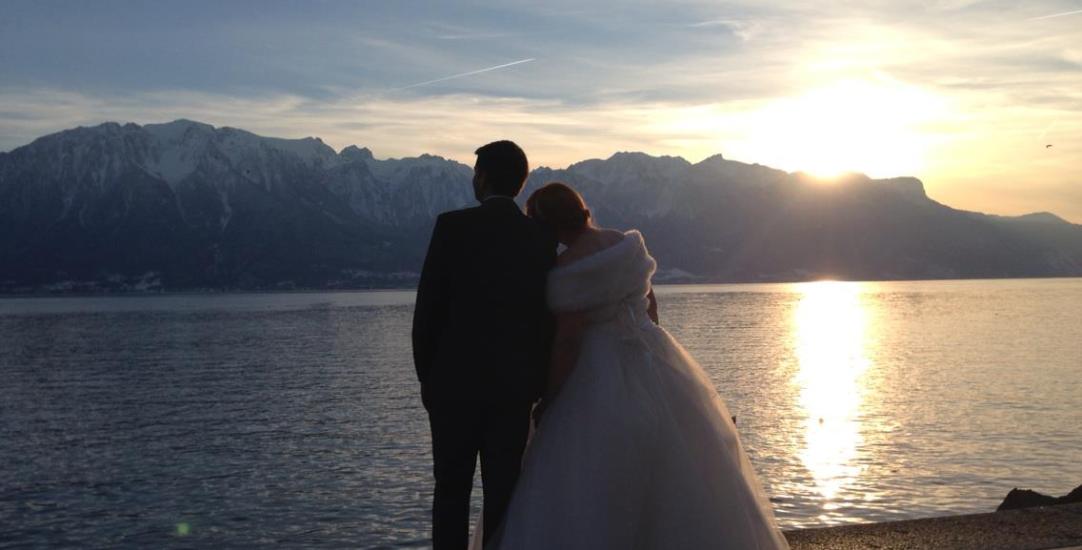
<point>454,220</point>
<point>458,216</point>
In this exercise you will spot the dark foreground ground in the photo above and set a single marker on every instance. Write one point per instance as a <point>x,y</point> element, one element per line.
<point>1029,529</point>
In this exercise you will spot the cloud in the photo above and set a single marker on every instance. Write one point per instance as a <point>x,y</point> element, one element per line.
<point>688,79</point>
<point>450,125</point>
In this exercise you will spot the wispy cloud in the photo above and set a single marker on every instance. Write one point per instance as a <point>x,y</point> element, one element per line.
<point>682,80</point>
<point>711,23</point>
<point>554,133</point>
<point>442,30</point>
<point>474,36</point>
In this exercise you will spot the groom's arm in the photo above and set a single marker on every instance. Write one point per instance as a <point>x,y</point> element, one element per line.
<point>430,311</point>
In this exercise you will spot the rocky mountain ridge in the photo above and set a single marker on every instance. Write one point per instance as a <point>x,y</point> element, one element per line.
<point>185,205</point>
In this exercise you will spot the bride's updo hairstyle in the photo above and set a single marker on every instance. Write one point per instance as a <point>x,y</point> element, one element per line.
<point>559,206</point>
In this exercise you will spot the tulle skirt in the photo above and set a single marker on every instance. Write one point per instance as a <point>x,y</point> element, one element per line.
<point>637,451</point>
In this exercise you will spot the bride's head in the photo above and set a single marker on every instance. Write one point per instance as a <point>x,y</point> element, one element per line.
<point>560,207</point>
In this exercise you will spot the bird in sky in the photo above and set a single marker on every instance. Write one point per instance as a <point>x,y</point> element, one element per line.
<point>1047,146</point>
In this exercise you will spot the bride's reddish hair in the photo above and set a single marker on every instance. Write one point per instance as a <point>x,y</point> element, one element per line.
<point>559,206</point>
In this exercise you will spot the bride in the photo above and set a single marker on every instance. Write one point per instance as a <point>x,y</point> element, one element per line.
<point>634,448</point>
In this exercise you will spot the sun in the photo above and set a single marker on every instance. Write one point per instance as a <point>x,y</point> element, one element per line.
<point>873,126</point>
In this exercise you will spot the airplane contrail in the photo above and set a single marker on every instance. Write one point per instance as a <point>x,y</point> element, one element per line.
<point>470,73</point>
<point>1054,15</point>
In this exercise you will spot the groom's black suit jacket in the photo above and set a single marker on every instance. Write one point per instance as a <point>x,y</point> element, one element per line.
<point>481,327</point>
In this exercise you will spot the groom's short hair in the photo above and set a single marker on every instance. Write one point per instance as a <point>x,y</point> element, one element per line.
<point>505,167</point>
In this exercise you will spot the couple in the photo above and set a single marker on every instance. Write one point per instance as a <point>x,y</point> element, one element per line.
<point>633,446</point>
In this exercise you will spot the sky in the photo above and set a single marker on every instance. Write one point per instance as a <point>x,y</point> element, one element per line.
<point>965,95</point>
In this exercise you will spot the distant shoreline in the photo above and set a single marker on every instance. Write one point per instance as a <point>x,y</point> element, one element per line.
<point>314,290</point>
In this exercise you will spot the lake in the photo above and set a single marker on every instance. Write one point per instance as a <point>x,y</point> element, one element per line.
<point>294,418</point>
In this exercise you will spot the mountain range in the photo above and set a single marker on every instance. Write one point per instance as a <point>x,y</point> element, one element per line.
<point>185,205</point>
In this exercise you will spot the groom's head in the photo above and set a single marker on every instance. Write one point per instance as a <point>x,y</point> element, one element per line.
<point>501,169</point>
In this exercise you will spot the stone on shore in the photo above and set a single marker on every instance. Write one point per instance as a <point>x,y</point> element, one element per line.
<point>1025,498</point>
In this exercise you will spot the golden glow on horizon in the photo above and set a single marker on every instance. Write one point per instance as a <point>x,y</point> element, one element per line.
<point>830,327</point>
<point>871,126</point>
<point>975,149</point>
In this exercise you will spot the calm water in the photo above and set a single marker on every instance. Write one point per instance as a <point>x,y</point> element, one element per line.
<point>243,420</point>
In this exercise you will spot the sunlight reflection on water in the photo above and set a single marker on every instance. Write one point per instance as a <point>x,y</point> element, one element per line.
<point>829,329</point>
<point>935,397</point>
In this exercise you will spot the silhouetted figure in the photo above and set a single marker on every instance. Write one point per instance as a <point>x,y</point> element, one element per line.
<point>481,337</point>
<point>635,448</point>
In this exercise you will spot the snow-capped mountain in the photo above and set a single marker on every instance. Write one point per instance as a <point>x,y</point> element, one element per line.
<point>191,205</point>
<point>187,205</point>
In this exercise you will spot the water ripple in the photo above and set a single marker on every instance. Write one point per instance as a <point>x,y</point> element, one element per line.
<point>249,420</point>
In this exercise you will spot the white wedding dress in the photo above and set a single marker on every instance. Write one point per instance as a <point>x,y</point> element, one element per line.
<point>637,451</point>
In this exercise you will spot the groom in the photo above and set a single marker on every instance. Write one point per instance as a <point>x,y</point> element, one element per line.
<point>481,337</point>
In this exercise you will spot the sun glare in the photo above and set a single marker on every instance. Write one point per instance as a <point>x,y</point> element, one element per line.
<point>868,126</point>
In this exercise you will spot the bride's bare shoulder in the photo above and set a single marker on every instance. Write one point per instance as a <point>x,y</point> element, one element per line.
<point>596,241</point>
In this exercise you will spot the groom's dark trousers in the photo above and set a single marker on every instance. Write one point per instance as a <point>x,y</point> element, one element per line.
<point>481,338</point>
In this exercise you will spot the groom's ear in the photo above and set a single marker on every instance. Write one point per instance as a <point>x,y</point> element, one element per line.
<point>478,182</point>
